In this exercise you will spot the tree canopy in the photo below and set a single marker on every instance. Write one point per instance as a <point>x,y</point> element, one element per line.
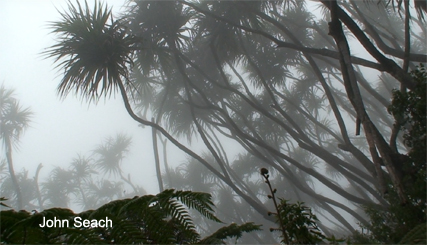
<point>302,95</point>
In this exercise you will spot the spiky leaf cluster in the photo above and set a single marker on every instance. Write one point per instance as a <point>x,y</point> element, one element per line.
<point>93,49</point>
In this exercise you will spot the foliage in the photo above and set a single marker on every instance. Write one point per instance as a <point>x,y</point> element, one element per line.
<point>300,223</point>
<point>409,110</point>
<point>270,77</point>
<point>191,175</point>
<point>297,223</point>
<point>13,118</point>
<point>397,221</point>
<point>150,219</point>
<point>233,230</point>
<point>98,52</point>
<point>416,235</point>
<point>13,121</point>
<point>112,153</point>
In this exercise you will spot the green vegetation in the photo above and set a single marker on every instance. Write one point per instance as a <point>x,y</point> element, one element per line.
<point>296,221</point>
<point>159,219</point>
<point>280,85</point>
<point>405,223</point>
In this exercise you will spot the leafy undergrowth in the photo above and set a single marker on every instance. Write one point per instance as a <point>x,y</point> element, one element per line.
<point>149,219</point>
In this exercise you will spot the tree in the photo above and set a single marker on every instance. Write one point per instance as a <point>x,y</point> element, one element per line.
<point>58,187</point>
<point>78,183</point>
<point>392,224</point>
<point>82,169</point>
<point>13,121</point>
<point>268,76</point>
<point>111,155</point>
<point>27,188</point>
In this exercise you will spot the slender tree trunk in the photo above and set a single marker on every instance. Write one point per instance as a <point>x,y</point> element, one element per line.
<point>165,160</point>
<point>36,178</point>
<point>83,196</point>
<point>156,157</point>
<point>374,138</point>
<point>8,144</point>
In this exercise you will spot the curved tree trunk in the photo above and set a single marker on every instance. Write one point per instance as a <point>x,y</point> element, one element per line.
<point>8,144</point>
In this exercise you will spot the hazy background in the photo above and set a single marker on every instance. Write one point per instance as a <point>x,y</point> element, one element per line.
<point>61,129</point>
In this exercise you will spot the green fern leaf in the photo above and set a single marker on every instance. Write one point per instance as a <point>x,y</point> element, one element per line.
<point>202,202</point>
<point>416,236</point>
<point>160,219</point>
<point>230,231</point>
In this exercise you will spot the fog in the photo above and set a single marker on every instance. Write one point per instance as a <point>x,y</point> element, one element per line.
<point>229,99</point>
<point>60,128</point>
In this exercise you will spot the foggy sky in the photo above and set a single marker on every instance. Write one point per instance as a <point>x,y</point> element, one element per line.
<point>60,129</point>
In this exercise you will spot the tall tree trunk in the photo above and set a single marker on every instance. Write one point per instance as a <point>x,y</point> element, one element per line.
<point>156,157</point>
<point>12,172</point>
<point>373,137</point>
<point>165,160</point>
<point>36,182</point>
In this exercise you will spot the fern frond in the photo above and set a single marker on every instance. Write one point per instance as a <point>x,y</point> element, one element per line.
<point>230,231</point>
<point>160,219</point>
<point>127,232</point>
<point>151,218</point>
<point>82,236</point>
<point>9,218</point>
<point>113,207</point>
<point>27,230</point>
<point>169,203</point>
<point>200,201</point>
<point>416,235</point>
